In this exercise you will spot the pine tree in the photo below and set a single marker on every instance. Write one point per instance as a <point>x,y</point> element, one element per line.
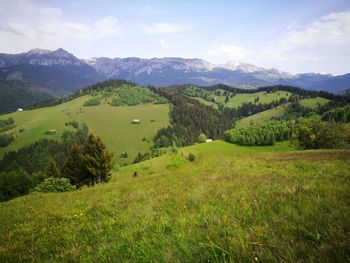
<point>52,170</point>
<point>96,159</point>
<point>73,167</point>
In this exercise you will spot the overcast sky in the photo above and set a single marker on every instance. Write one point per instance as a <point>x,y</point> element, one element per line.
<point>294,36</point>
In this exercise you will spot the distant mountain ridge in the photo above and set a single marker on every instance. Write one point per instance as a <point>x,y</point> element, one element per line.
<point>155,71</point>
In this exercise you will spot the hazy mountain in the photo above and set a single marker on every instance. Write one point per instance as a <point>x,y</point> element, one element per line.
<point>60,72</point>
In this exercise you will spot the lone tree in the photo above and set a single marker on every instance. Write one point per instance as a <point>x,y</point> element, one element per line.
<point>96,160</point>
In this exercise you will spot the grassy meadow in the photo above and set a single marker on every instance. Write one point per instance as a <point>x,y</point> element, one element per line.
<point>232,204</point>
<point>112,123</point>
<point>264,97</point>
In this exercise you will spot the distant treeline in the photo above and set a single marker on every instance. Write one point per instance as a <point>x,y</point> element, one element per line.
<point>295,90</point>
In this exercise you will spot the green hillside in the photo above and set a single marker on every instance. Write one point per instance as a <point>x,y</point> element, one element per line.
<point>264,97</point>
<point>233,204</point>
<point>313,103</point>
<point>112,123</point>
<point>278,111</point>
<point>212,97</point>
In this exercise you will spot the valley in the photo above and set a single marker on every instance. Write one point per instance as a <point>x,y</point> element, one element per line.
<point>175,131</point>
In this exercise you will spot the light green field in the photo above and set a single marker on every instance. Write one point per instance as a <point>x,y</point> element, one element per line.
<point>206,102</point>
<point>264,97</point>
<point>262,116</point>
<point>233,204</point>
<point>113,124</point>
<point>313,102</point>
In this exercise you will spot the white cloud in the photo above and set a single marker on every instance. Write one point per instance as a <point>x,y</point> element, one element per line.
<point>162,28</point>
<point>165,43</point>
<point>108,27</point>
<point>50,11</point>
<point>20,29</point>
<point>312,41</point>
<point>228,50</point>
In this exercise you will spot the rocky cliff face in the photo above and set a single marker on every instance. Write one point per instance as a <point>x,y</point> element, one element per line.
<point>170,71</point>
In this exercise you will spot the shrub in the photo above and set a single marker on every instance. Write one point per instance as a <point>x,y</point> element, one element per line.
<point>191,157</point>
<point>5,140</point>
<point>202,138</point>
<point>54,185</point>
<point>92,102</point>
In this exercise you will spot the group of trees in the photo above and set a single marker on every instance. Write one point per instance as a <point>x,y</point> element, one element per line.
<point>5,125</point>
<point>89,163</point>
<point>134,95</point>
<point>82,158</point>
<point>311,133</point>
<point>266,133</point>
<point>314,133</point>
<point>340,114</point>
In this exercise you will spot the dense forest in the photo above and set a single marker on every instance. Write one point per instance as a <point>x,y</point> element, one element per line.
<point>189,118</point>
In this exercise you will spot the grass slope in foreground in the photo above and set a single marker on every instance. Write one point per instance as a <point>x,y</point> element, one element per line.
<point>241,206</point>
<point>113,124</point>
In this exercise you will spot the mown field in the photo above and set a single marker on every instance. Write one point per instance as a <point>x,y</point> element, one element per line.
<point>233,204</point>
<point>113,124</point>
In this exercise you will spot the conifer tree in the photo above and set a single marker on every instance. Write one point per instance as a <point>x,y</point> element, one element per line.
<point>52,170</point>
<point>73,167</point>
<point>96,160</point>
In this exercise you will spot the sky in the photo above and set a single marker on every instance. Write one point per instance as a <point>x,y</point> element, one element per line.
<point>293,36</point>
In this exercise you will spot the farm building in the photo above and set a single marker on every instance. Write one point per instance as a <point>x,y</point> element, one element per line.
<point>136,121</point>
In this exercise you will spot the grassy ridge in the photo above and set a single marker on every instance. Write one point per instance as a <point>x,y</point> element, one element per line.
<point>243,205</point>
<point>112,123</point>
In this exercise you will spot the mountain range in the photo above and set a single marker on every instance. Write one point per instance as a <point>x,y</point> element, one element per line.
<point>58,73</point>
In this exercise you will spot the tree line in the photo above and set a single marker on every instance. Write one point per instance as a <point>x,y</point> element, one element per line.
<point>266,133</point>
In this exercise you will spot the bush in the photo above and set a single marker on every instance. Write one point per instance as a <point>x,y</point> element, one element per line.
<point>14,183</point>
<point>5,140</point>
<point>191,157</point>
<point>54,185</point>
<point>202,138</point>
<point>92,102</point>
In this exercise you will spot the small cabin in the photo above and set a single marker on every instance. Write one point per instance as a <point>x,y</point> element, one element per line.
<point>51,132</point>
<point>208,140</point>
<point>136,121</point>
<point>19,110</point>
